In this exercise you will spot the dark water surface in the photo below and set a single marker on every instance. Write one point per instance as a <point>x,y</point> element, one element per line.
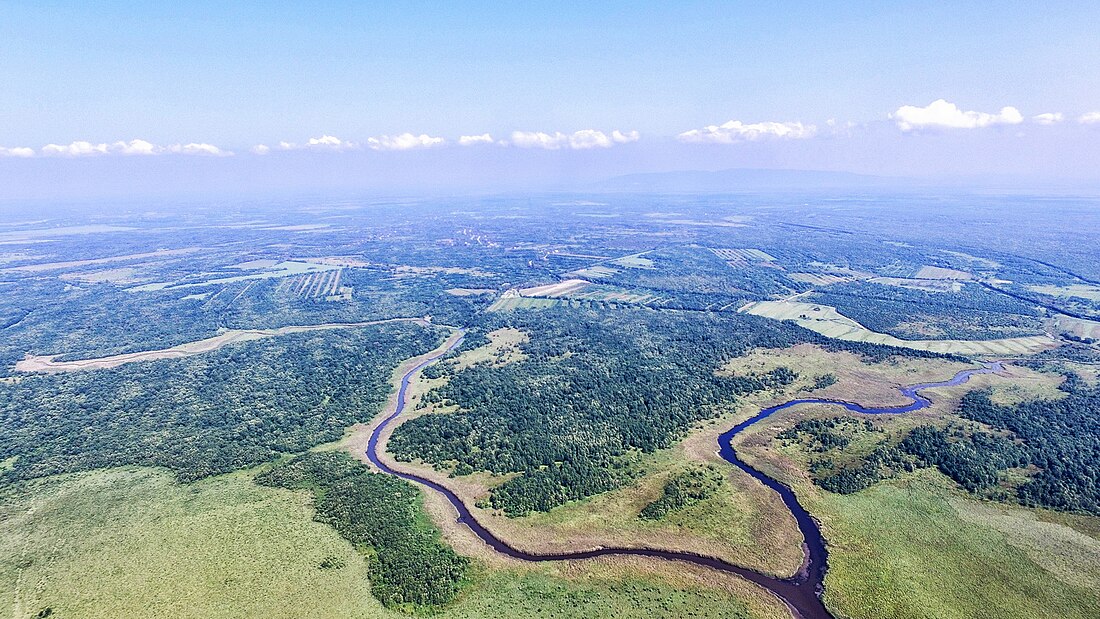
<point>801,593</point>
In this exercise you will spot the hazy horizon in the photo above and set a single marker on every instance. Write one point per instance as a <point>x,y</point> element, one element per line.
<point>210,98</point>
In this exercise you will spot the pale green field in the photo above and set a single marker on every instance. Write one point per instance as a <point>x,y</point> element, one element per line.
<point>134,543</point>
<point>505,304</point>
<point>917,548</point>
<point>824,319</point>
<point>634,262</point>
<point>819,279</point>
<point>596,272</point>
<point>931,272</point>
<point>1081,291</point>
<point>743,255</point>
<point>1079,327</point>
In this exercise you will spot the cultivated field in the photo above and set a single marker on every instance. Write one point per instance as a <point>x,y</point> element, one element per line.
<point>634,262</point>
<point>596,272</point>
<point>263,269</point>
<point>819,279</point>
<point>507,303</point>
<point>324,284</point>
<point>1081,291</point>
<point>559,289</point>
<point>742,257</point>
<point>1079,327</point>
<point>930,272</point>
<point>825,320</point>
<point>573,291</point>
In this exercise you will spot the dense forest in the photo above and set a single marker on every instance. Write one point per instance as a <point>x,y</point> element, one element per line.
<point>1061,437</point>
<point>592,388</point>
<point>974,459</point>
<point>972,313</point>
<point>410,566</point>
<point>212,413</point>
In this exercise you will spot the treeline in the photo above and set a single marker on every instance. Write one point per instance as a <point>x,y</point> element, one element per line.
<point>409,564</point>
<point>974,459</point>
<point>1061,437</point>
<point>972,313</point>
<point>821,435</point>
<point>591,389</point>
<point>212,413</point>
<point>684,489</point>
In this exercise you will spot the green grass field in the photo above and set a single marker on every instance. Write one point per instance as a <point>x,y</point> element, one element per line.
<point>916,548</point>
<point>134,543</point>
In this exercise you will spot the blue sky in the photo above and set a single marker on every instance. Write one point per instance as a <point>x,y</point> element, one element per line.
<point>800,75</point>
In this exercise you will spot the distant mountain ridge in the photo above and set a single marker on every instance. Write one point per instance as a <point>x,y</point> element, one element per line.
<point>743,179</point>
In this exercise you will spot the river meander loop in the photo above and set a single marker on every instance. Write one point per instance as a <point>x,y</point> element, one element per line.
<point>801,592</point>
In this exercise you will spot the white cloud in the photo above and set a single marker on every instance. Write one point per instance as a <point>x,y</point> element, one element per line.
<point>405,141</point>
<point>133,147</point>
<point>260,149</point>
<point>625,138</point>
<point>16,151</point>
<point>325,142</point>
<point>578,140</point>
<point>589,138</point>
<point>538,139</point>
<point>736,131</point>
<point>1050,118</point>
<point>943,115</point>
<point>470,140</point>
<point>75,149</point>
<point>198,149</point>
<point>1091,118</point>
<point>328,141</point>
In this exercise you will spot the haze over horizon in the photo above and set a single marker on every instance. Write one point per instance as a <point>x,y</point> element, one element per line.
<point>205,97</point>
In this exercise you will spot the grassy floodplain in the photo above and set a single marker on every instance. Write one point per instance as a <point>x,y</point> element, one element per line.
<point>916,547</point>
<point>133,542</point>
<point>742,522</point>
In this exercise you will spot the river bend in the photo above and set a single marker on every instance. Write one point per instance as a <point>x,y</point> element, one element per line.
<point>801,592</point>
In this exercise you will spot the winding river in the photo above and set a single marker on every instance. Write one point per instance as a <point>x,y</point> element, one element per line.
<point>801,592</point>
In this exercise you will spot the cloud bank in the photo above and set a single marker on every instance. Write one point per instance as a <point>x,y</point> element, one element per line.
<point>471,140</point>
<point>405,141</point>
<point>736,131</point>
<point>133,147</point>
<point>324,143</point>
<point>1050,118</point>
<point>16,151</point>
<point>1092,118</point>
<point>578,140</point>
<point>941,114</point>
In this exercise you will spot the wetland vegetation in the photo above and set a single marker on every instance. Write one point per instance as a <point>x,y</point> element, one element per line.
<point>601,375</point>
